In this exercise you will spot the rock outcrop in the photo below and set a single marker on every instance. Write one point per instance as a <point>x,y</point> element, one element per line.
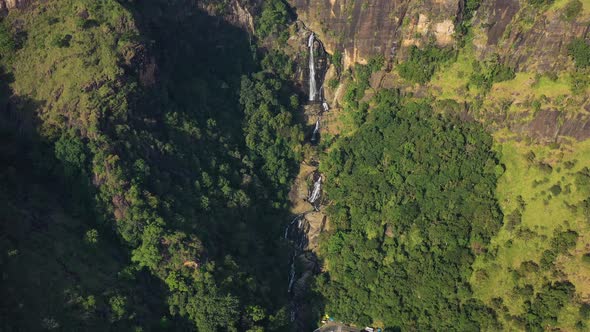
<point>6,5</point>
<point>525,38</point>
<point>362,29</point>
<point>237,12</point>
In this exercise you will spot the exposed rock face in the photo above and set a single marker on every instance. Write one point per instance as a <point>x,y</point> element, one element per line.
<point>237,12</point>
<point>551,125</point>
<point>362,29</point>
<point>540,45</point>
<point>314,225</point>
<point>525,37</point>
<point>6,5</point>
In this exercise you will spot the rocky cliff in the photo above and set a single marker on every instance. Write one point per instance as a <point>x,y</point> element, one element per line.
<point>526,37</point>
<point>361,29</point>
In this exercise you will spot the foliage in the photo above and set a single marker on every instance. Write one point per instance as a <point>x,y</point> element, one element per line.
<point>561,243</point>
<point>6,41</point>
<point>422,63</point>
<point>191,180</point>
<point>356,110</point>
<point>337,61</point>
<point>469,9</point>
<point>542,312</point>
<point>572,9</point>
<point>580,81</point>
<point>388,175</point>
<point>55,272</point>
<point>492,71</point>
<point>540,2</point>
<point>273,20</point>
<point>269,129</point>
<point>579,50</point>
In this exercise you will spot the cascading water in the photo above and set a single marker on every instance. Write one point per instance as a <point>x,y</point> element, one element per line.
<point>291,224</point>
<point>312,82</point>
<point>315,131</point>
<point>317,188</point>
<point>297,231</point>
<point>298,237</point>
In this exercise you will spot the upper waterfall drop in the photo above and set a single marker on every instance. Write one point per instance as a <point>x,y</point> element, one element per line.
<point>312,82</point>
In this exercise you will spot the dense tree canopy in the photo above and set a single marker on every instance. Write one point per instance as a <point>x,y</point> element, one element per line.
<point>412,194</point>
<point>190,165</point>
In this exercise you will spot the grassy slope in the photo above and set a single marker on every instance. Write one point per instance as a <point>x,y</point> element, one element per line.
<point>90,57</point>
<point>541,215</point>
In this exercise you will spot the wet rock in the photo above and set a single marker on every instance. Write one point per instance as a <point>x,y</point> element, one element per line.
<point>300,190</point>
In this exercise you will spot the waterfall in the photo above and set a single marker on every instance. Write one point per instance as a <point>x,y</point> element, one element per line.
<point>312,83</point>
<point>315,131</point>
<point>300,245</point>
<point>326,106</point>
<point>317,187</point>
<point>292,274</point>
<point>291,224</point>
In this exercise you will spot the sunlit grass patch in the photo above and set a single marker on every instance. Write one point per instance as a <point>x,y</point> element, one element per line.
<point>532,175</point>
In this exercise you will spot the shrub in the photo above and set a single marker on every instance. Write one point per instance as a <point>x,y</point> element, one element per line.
<point>513,219</point>
<point>540,2</point>
<point>555,189</point>
<point>579,50</point>
<point>61,41</point>
<point>91,236</point>
<point>6,41</point>
<point>492,72</point>
<point>572,9</point>
<point>579,81</point>
<point>421,64</point>
<point>337,61</point>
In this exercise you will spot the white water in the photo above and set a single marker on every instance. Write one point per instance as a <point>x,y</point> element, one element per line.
<point>317,187</point>
<point>297,219</point>
<point>315,131</point>
<point>291,224</point>
<point>312,82</point>
<point>326,106</point>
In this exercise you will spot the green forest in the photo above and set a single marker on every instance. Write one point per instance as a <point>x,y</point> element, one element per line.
<point>155,157</point>
<point>414,197</point>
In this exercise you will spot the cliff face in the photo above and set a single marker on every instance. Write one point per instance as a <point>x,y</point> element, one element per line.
<point>526,37</point>
<point>364,29</point>
<point>236,12</point>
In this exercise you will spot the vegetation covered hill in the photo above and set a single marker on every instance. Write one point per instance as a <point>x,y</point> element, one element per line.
<point>148,149</point>
<point>152,111</point>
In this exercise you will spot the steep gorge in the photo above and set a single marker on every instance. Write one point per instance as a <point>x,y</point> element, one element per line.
<point>204,145</point>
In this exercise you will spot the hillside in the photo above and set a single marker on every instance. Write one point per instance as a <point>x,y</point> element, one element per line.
<point>247,165</point>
